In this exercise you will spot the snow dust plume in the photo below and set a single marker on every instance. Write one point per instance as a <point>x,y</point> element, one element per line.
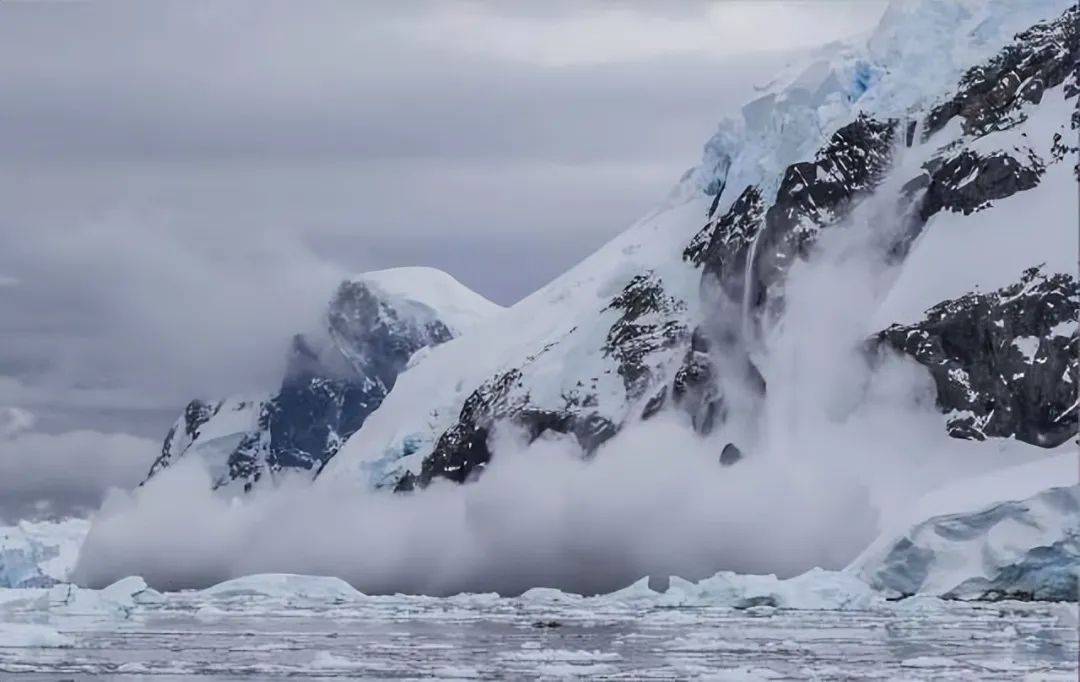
<point>835,443</point>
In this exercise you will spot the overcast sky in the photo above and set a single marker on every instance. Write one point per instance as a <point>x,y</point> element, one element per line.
<point>182,184</point>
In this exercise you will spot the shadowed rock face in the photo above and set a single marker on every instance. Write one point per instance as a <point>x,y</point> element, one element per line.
<point>815,194</point>
<point>330,387</point>
<point>751,246</point>
<point>1005,362</point>
<point>967,182</point>
<point>723,245</point>
<point>647,324</point>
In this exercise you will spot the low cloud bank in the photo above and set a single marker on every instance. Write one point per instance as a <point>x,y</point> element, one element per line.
<point>63,474</point>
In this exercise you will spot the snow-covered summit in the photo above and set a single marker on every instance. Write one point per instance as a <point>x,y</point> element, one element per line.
<point>457,306</point>
<point>334,377</point>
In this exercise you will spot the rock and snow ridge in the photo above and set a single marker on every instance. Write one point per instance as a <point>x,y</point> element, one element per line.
<point>377,324</point>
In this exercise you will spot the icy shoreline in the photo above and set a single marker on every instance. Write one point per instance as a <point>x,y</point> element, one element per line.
<point>285,626</point>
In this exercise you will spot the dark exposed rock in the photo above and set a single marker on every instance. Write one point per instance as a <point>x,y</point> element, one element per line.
<point>378,336</point>
<point>723,245</point>
<point>1004,362</point>
<point>992,96</point>
<point>462,449</point>
<point>696,391</point>
<point>462,452</point>
<point>649,322</point>
<point>815,194</point>
<point>730,455</point>
<point>185,430</point>
<point>968,182</point>
<point>655,403</point>
<point>750,247</point>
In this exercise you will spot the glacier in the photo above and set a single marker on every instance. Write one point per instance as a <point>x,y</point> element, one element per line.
<point>40,553</point>
<point>1012,533</point>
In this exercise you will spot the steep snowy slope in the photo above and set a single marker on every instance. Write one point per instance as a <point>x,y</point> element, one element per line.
<point>939,157</point>
<point>334,378</point>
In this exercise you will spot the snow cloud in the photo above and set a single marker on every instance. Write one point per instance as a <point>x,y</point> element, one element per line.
<point>834,449</point>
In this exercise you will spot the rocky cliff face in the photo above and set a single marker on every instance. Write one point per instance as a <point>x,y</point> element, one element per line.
<point>1004,362</point>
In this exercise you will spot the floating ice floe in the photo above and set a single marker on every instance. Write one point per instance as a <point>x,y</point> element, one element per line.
<point>284,586</point>
<point>816,589</point>
<point>118,599</point>
<point>23,635</point>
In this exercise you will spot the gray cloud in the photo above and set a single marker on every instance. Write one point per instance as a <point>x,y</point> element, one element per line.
<point>63,474</point>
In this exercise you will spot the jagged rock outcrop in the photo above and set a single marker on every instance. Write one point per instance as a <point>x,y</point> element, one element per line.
<point>1004,362</point>
<point>815,194</point>
<point>992,96</point>
<point>968,182</point>
<point>648,323</point>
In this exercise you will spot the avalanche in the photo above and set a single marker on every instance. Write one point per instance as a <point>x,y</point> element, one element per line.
<point>864,292</point>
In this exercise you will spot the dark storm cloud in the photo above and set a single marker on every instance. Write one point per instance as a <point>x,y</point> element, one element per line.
<point>183,183</point>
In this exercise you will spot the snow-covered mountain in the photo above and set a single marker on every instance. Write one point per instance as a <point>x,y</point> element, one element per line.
<point>944,147</point>
<point>375,325</point>
<point>907,201</point>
